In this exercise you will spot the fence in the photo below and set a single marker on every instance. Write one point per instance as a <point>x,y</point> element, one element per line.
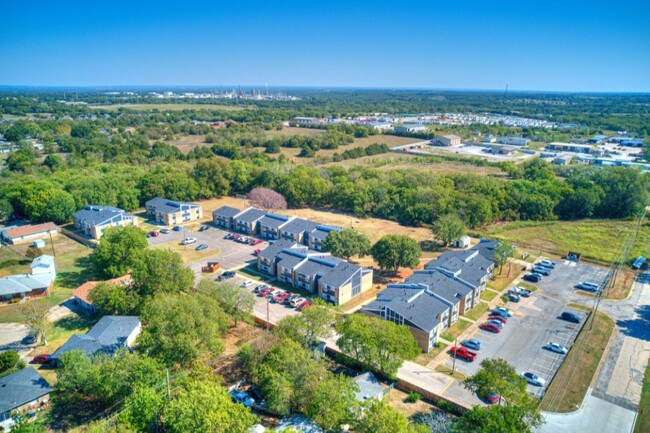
<point>90,243</point>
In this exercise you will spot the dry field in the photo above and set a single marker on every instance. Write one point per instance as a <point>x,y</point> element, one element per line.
<point>171,107</point>
<point>188,142</point>
<point>374,228</point>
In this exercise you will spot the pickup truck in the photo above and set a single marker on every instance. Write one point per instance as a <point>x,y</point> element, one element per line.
<point>462,352</point>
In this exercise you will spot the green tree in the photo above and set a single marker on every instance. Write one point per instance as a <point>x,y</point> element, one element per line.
<point>53,162</point>
<point>333,402</point>
<point>206,406</point>
<point>33,252</point>
<point>6,210</point>
<point>115,300</point>
<point>26,425</point>
<point>8,360</point>
<point>502,252</point>
<point>377,416</point>
<point>35,315</point>
<point>347,243</point>
<point>180,327</point>
<point>234,300</point>
<point>376,344</point>
<point>142,408</point>
<point>394,251</point>
<point>505,419</point>
<point>159,271</point>
<point>213,177</point>
<point>498,376</point>
<point>448,228</point>
<point>119,250</point>
<point>537,169</point>
<point>50,205</point>
<point>21,160</point>
<point>309,327</point>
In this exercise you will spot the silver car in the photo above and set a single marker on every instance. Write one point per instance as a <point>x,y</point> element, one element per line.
<point>557,348</point>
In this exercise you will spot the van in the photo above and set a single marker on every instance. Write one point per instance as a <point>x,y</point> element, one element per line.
<point>570,317</point>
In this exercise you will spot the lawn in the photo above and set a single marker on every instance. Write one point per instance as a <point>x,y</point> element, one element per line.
<point>643,418</point>
<point>488,295</point>
<point>567,390</point>
<point>188,253</point>
<point>478,311</point>
<point>596,240</point>
<point>502,280</point>
<point>449,372</point>
<point>454,331</point>
<point>527,286</point>
<point>622,286</point>
<point>425,358</point>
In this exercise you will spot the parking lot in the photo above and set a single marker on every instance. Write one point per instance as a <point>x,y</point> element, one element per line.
<point>230,254</point>
<point>535,323</point>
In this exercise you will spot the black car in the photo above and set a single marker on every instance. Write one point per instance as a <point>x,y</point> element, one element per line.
<point>570,317</point>
<point>226,276</point>
<point>204,228</point>
<point>533,278</point>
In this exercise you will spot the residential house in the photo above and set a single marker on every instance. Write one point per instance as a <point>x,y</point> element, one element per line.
<point>247,221</point>
<point>37,283</point>
<point>344,282</point>
<point>369,387</point>
<point>82,293</point>
<point>298,230</point>
<point>171,212</point>
<point>21,392</point>
<point>224,217</point>
<point>94,220</point>
<point>318,235</point>
<point>28,233</point>
<point>415,307</point>
<point>458,294</point>
<point>109,335</point>
<point>270,224</point>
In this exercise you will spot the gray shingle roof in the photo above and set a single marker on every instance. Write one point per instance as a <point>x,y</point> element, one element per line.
<point>251,215</point>
<point>226,211</point>
<point>163,205</point>
<point>273,221</point>
<point>108,335</point>
<point>486,248</point>
<point>314,267</point>
<point>95,215</point>
<point>288,259</point>
<point>276,248</point>
<point>468,265</point>
<point>418,307</point>
<point>340,274</point>
<point>21,387</point>
<point>24,283</point>
<point>299,225</point>
<point>369,386</point>
<point>443,285</point>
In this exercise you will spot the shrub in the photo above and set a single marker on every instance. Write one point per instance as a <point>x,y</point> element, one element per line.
<point>413,397</point>
<point>14,300</point>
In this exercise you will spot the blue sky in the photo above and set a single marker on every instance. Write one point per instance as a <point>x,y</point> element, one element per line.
<point>569,45</point>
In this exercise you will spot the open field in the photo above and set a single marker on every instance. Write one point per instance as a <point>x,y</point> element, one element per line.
<point>185,143</point>
<point>374,228</point>
<point>596,240</point>
<point>567,391</point>
<point>171,107</point>
<point>643,419</point>
<point>288,131</point>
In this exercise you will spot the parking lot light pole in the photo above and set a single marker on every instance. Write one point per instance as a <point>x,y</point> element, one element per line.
<point>268,319</point>
<point>453,365</point>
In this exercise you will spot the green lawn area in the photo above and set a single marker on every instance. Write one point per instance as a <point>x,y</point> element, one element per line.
<point>530,287</point>
<point>476,312</point>
<point>425,358</point>
<point>503,279</point>
<point>643,418</point>
<point>568,389</point>
<point>488,295</point>
<point>448,371</point>
<point>596,240</point>
<point>454,331</point>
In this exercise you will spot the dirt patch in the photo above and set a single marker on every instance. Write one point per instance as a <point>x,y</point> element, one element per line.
<point>236,337</point>
<point>622,285</point>
<point>397,399</point>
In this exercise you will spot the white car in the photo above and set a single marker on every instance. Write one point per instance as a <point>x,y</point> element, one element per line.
<point>296,301</point>
<point>533,379</point>
<point>504,312</point>
<point>557,348</point>
<point>246,284</point>
<point>188,241</point>
<point>584,285</point>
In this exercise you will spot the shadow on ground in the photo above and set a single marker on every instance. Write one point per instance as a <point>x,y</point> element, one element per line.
<point>638,327</point>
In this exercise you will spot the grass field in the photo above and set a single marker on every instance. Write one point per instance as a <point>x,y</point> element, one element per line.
<point>449,372</point>
<point>425,358</point>
<point>455,330</point>
<point>596,240</point>
<point>567,390</point>
<point>643,418</point>
<point>172,107</point>
<point>478,311</point>
<point>502,280</point>
<point>488,295</point>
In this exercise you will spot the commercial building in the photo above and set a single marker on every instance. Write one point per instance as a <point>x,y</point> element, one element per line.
<point>569,147</point>
<point>171,212</point>
<point>411,127</point>
<point>562,159</point>
<point>309,121</point>
<point>94,220</point>
<point>21,392</point>
<point>448,140</point>
<point>513,141</point>
<point>29,233</point>
<point>598,139</point>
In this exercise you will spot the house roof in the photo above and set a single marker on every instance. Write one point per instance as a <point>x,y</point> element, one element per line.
<point>163,205</point>
<point>82,292</point>
<point>299,225</point>
<point>107,336</point>
<point>467,265</point>
<point>369,386</point>
<point>96,215</point>
<point>273,221</point>
<point>276,248</point>
<point>289,259</point>
<point>445,286</point>
<point>21,387</point>
<point>340,274</point>
<point>43,260</point>
<point>451,137</point>
<point>226,211</point>
<point>414,303</point>
<point>31,229</point>
<point>24,283</point>
<point>486,248</point>
<point>250,215</point>
<point>314,266</point>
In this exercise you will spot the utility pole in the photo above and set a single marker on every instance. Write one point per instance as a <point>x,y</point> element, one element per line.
<point>268,316</point>
<point>52,243</point>
<point>453,366</point>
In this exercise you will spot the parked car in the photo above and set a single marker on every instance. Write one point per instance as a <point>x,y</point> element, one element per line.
<point>303,305</point>
<point>500,311</point>
<point>296,301</point>
<point>491,397</point>
<point>570,317</point>
<point>256,242</point>
<point>204,228</point>
<point>472,344</point>
<point>514,297</point>
<point>242,239</point>
<point>288,299</point>
<point>250,241</point>
<point>201,247</point>
<point>281,296</point>
<point>541,270</point>
<point>557,348</point>
<point>463,352</point>
<point>259,288</point>
<point>533,379</point>
<point>498,318</point>
<point>497,323</point>
<point>43,358</point>
<point>256,251</point>
<point>521,291</point>
<point>165,231</point>
<point>546,263</point>
<point>177,228</point>
<point>242,398</point>
<point>226,276</point>
<point>266,292</point>
<point>533,278</point>
<point>490,327</point>
<point>585,285</point>
<point>154,233</point>
<point>229,235</point>
<point>188,241</point>
<point>235,236</point>
<point>246,284</point>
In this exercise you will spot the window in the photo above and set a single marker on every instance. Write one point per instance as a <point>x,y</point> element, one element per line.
<point>392,316</point>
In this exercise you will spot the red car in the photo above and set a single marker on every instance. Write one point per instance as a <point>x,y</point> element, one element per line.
<point>499,318</point>
<point>304,305</point>
<point>462,352</point>
<point>490,327</point>
<point>42,359</point>
<point>491,397</point>
<point>154,233</point>
<point>256,242</point>
<point>267,291</point>
<point>236,236</point>
<point>256,251</point>
<point>280,296</point>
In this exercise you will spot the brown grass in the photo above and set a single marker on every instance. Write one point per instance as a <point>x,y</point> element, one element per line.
<point>622,286</point>
<point>397,399</point>
<point>502,281</point>
<point>236,337</point>
<point>425,358</point>
<point>449,372</point>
